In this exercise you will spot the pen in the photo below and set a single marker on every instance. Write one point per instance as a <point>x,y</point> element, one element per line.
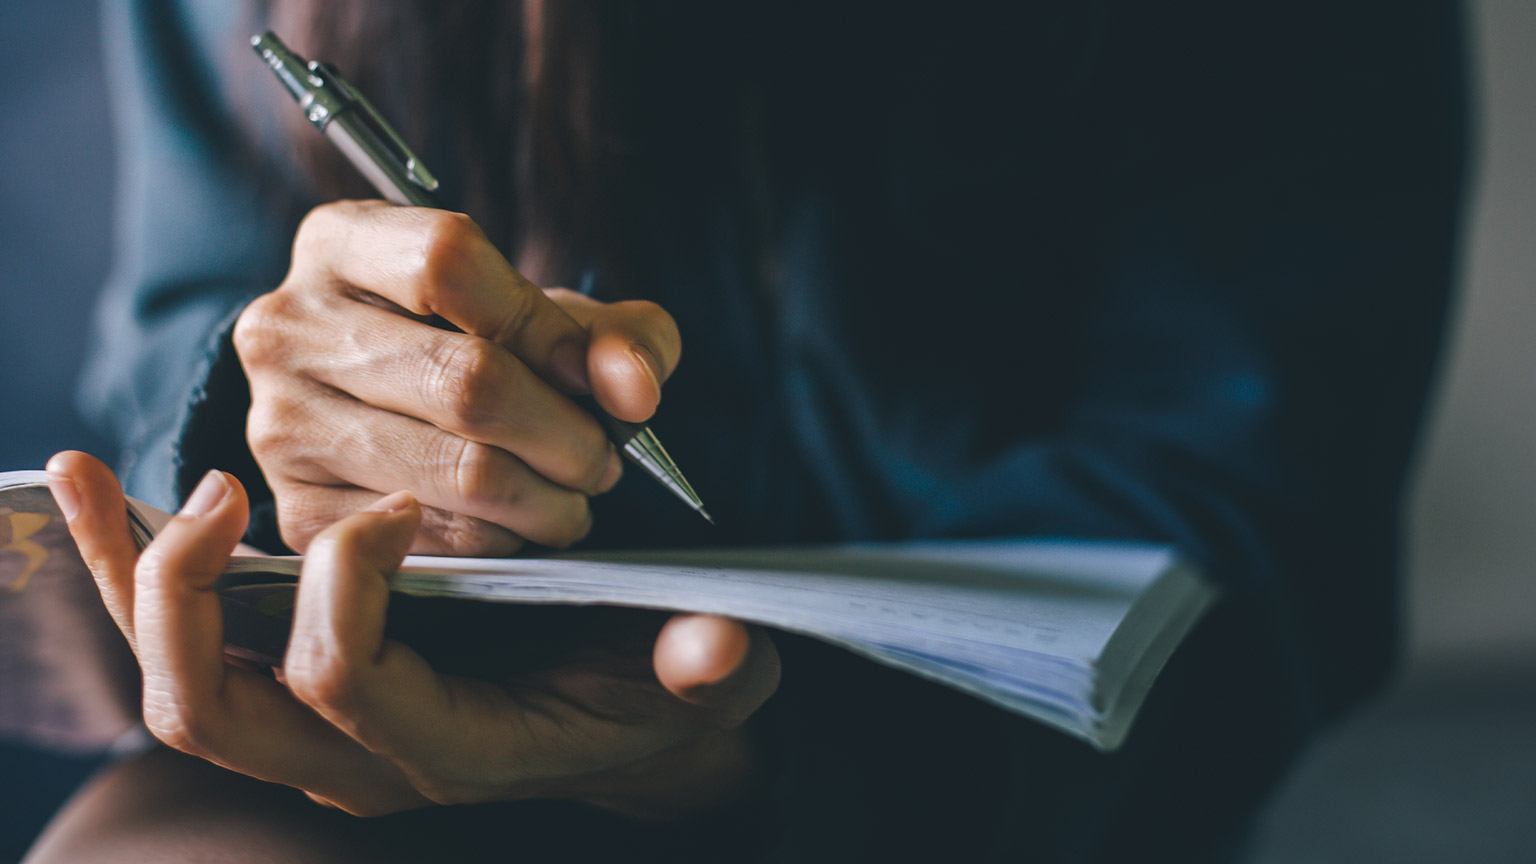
<point>346,117</point>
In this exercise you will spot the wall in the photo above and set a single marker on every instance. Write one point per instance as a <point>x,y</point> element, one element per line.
<point>1473,549</point>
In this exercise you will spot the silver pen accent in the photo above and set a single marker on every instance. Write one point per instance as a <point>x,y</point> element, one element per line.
<point>357,129</point>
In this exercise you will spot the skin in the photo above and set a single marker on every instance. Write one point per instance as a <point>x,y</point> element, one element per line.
<point>363,723</point>
<point>403,352</point>
<point>355,394</point>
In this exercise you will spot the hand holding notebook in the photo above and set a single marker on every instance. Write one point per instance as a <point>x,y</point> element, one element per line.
<point>1068,633</point>
<point>646,721</point>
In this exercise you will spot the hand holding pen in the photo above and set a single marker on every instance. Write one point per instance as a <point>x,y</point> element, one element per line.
<point>351,398</point>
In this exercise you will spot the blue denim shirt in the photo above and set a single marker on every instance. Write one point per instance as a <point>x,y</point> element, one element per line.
<point>1158,271</point>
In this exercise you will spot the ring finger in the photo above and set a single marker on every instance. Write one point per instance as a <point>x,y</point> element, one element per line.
<point>443,470</point>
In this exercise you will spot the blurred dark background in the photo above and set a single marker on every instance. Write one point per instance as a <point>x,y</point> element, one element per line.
<point>1440,768</point>
<point>55,227</point>
<point>55,219</point>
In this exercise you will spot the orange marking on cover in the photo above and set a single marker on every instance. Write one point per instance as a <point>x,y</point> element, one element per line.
<point>23,526</point>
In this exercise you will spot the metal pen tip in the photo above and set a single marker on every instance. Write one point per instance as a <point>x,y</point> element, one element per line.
<point>645,450</point>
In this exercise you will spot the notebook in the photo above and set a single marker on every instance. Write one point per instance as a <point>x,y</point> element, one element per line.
<point>1069,633</point>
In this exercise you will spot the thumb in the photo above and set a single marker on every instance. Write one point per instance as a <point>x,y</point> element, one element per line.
<point>721,665</point>
<point>633,349</point>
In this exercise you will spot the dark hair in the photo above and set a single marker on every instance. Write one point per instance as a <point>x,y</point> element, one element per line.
<point>533,103</point>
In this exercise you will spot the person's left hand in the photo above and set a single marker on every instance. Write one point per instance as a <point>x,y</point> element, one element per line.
<point>361,722</point>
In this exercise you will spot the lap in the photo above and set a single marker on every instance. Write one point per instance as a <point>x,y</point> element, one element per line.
<point>870,764</point>
<point>165,806</point>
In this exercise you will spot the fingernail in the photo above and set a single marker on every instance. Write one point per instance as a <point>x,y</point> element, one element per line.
<point>613,471</point>
<point>394,502</point>
<point>65,495</point>
<point>210,492</point>
<point>649,363</point>
<point>569,365</point>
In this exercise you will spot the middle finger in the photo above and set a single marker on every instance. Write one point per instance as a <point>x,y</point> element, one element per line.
<point>445,471</point>
<point>470,387</point>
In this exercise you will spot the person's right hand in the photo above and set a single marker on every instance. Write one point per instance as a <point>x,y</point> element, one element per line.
<point>354,393</point>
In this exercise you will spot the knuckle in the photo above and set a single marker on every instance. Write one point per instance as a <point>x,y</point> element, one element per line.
<point>261,330</point>
<point>300,518</point>
<point>150,567</point>
<point>320,677</point>
<point>295,535</point>
<point>274,426</point>
<point>479,474</point>
<point>264,426</point>
<point>325,220</point>
<point>448,241</point>
<point>179,726</point>
<point>471,382</point>
<point>307,238</point>
<point>461,534</point>
<point>317,227</point>
<point>264,436</point>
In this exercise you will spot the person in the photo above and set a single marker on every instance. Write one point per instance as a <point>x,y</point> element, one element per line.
<point>1171,273</point>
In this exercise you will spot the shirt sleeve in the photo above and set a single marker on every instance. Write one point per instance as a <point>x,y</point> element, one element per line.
<point>200,231</point>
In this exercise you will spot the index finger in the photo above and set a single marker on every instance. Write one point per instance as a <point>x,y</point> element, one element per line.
<point>434,262</point>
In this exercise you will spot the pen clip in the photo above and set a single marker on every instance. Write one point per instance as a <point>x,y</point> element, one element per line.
<point>415,169</point>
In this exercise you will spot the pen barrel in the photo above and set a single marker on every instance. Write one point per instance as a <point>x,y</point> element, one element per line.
<point>641,446</point>
<point>366,139</point>
<point>374,159</point>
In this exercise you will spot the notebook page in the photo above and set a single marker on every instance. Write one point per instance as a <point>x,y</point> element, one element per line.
<point>1051,600</point>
